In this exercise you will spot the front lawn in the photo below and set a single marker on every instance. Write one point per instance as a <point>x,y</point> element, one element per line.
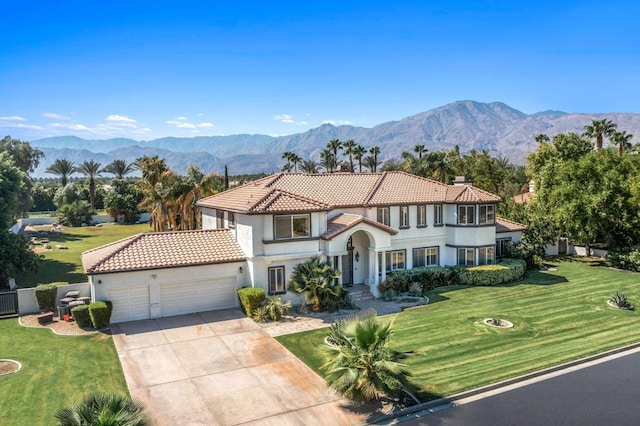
<point>559,316</point>
<point>56,371</point>
<point>65,265</point>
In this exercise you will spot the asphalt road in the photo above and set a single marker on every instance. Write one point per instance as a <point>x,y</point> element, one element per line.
<point>602,394</point>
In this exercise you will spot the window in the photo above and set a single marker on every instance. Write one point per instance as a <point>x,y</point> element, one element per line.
<point>466,256</point>
<point>466,215</point>
<point>426,256</point>
<point>486,255</point>
<point>487,214</point>
<point>422,216</point>
<point>395,260</point>
<point>502,246</point>
<point>404,216</point>
<point>231,219</point>
<point>219,219</point>
<point>276,280</point>
<point>383,215</point>
<point>291,226</point>
<point>437,214</point>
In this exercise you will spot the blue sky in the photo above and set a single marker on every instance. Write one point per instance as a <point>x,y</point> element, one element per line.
<point>152,69</point>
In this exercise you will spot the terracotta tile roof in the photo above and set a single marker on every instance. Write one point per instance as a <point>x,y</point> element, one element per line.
<point>505,225</point>
<point>163,250</point>
<point>342,222</point>
<point>309,192</point>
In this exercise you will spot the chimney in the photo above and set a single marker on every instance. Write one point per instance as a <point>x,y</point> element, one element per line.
<point>462,181</point>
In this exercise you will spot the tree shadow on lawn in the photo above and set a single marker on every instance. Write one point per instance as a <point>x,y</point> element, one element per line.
<point>59,237</point>
<point>538,278</point>
<point>52,271</point>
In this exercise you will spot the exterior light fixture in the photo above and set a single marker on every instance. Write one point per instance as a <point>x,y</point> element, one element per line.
<point>240,269</point>
<point>357,257</point>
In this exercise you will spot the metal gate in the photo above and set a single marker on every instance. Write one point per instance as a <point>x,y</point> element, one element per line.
<point>8,303</point>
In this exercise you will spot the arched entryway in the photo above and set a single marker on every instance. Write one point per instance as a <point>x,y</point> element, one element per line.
<point>354,263</point>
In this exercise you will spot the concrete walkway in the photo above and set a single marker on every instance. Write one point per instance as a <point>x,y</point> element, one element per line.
<point>219,368</point>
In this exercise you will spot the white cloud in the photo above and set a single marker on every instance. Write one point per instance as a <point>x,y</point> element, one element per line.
<point>205,125</point>
<point>121,121</point>
<point>78,127</point>
<point>55,116</point>
<point>288,119</point>
<point>181,118</point>
<point>183,123</point>
<point>13,118</point>
<point>337,122</point>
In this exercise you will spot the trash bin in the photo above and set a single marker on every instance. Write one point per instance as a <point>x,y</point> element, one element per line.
<point>62,310</point>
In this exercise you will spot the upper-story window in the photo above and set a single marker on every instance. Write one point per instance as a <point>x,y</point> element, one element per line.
<point>421,220</point>
<point>292,226</point>
<point>383,215</point>
<point>437,214</point>
<point>231,219</point>
<point>466,215</point>
<point>404,216</point>
<point>219,219</point>
<point>487,214</point>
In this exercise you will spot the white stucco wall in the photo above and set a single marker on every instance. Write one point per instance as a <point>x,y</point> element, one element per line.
<point>28,304</point>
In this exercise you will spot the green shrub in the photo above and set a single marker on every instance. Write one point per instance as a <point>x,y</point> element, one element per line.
<point>508,270</point>
<point>109,307</point>
<point>250,299</point>
<point>81,315</point>
<point>100,314</point>
<point>57,283</point>
<point>625,258</point>
<point>315,279</point>
<point>415,289</point>
<point>46,295</point>
<point>621,301</point>
<point>276,307</point>
<point>260,314</point>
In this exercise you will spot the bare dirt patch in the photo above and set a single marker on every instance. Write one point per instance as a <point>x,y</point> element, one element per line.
<point>8,366</point>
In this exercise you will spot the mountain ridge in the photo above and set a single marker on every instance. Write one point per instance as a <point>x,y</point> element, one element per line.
<point>494,126</point>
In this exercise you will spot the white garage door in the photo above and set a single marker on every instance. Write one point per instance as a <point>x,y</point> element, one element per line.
<point>129,303</point>
<point>198,296</point>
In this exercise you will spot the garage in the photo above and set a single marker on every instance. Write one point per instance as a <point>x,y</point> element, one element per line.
<point>198,296</point>
<point>129,303</point>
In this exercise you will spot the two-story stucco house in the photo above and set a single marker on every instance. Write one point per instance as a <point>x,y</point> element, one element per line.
<point>366,224</point>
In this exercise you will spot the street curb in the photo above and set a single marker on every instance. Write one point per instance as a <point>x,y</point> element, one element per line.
<point>387,418</point>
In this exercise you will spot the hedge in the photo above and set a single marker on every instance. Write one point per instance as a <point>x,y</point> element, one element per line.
<point>100,314</point>
<point>46,295</point>
<point>507,270</point>
<point>250,299</point>
<point>81,315</point>
<point>625,258</point>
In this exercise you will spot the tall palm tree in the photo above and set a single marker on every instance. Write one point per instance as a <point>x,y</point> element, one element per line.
<point>103,410</point>
<point>334,146</point>
<point>621,139</point>
<point>371,163</point>
<point>118,168</point>
<point>349,147</point>
<point>375,151</point>
<point>420,149</point>
<point>90,169</point>
<point>287,156</point>
<point>287,168</point>
<point>63,168</point>
<point>598,129</point>
<point>328,160</point>
<point>358,361</point>
<point>151,168</point>
<point>309,166</point>
<point>358,153</point>
<point>295,160</point>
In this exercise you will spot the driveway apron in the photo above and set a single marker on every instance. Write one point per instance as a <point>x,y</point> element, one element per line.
<point>220,368</point>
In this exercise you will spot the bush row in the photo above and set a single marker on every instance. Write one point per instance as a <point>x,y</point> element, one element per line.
<point>507,270</point>
<point>96,314</point>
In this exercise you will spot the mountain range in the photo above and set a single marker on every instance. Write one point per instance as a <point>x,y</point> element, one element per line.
<point>496,127</point>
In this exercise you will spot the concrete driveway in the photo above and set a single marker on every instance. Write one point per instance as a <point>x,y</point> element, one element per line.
<point>220,368</point>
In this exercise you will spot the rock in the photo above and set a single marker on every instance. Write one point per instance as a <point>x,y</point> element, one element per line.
<point>61,247</point>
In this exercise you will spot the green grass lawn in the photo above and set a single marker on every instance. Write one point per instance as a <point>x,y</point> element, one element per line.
<point>56,371</point>
<point>65,265</point>
<point>558,315</point>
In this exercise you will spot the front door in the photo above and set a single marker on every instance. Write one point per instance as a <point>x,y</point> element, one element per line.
<point>347,269</point>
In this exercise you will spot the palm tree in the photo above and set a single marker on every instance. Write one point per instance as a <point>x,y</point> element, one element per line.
<point>358,153</point>
<point>328,160</point>
<point>286,168</point>
<point>119,168</point>
<point>90,169</point>
<point>295,160</point>
<point>314,278</point>
<point>151,168</point>
<point>334,146</point>
<point>287,156</point>
<point>63,168</point>
<point>598,129</point>
<point>371,163</point>
<point>309,166</point>
<point>103,410</point>
<point>419,149</point>
<point>621,139</point>
<point>358,361</point>
<point>349,147</point>
<point>375,151</point>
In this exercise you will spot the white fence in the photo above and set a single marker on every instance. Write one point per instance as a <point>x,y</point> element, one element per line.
<point>28,304</point>
<point>35,221</point>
